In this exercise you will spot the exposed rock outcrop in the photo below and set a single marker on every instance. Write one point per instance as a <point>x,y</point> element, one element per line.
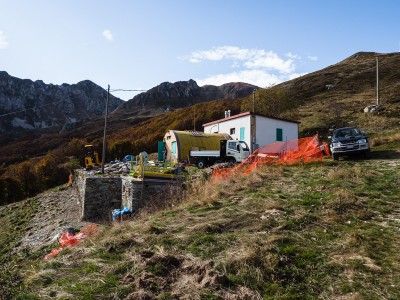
<point>184,93</point>
<point>29,105</point>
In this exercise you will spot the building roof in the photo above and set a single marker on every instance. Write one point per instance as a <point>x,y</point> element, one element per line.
<point>247,113</point>
<point>197,133</point>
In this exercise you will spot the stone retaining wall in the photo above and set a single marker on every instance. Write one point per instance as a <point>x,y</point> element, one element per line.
<point>99,195</point>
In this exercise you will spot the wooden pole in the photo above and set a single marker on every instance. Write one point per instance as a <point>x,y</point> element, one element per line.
<point>103,156</point>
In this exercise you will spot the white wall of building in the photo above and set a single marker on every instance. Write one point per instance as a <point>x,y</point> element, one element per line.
<point>266,130</point>
<point>236,124</point>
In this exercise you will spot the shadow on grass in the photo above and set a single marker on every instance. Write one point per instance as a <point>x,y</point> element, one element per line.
<point>385,154</point>
<point>375,155</point>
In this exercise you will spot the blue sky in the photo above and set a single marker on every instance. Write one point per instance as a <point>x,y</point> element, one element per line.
<point>139,44</point>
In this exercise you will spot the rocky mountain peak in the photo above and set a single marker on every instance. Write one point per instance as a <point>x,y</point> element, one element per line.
<point>180,94</point>
<point>30,105</point>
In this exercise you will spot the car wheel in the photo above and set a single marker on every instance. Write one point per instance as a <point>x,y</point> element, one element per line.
<point>367,154</point>
<point>335,156</point>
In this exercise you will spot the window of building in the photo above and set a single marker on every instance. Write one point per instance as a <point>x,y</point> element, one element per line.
<point>232,130</point>
<point>279,134</point>
<point>173,147</point>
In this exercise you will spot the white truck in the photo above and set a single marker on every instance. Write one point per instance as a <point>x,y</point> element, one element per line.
<point>231,151</point>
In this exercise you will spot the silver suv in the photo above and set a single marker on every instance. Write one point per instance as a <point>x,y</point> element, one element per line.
<point>349,141</point>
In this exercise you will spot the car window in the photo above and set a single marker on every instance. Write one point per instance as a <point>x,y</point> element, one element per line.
<point>340,133</point>
<point>355,131</point>
<point>232,145</point>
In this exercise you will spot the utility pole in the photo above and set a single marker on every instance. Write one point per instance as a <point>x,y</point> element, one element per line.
<point>254,98</point>
<point>377,81</point>
<point>194,119</point>
<point>103,156</point>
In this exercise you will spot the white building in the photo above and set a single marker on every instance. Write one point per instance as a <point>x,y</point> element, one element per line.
<point>256,130</point>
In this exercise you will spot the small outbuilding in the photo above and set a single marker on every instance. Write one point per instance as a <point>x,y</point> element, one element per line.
<point>255,129</point>
<point>178,144</point>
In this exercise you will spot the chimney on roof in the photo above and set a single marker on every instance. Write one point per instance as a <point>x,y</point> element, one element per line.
<point>225,114</point>
<point>229,113</point>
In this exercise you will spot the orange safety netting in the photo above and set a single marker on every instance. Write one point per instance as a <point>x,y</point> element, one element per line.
<point>303,150</point>
<point>68,239</point>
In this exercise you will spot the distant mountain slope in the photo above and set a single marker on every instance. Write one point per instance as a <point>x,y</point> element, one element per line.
<point>350,84</point>
<point>169,96</point>
<point>27,104</point>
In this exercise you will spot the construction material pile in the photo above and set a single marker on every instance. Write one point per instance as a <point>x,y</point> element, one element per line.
<point>116,167</point>
<point>303,150</point>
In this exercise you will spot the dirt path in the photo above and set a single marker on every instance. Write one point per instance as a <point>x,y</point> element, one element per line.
<point>57,210</point>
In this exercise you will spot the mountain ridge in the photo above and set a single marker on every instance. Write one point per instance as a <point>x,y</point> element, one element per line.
<point>27,105</point>
<point>169,96</point>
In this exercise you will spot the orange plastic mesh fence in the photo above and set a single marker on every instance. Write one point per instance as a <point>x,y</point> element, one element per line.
<point>303,150</point>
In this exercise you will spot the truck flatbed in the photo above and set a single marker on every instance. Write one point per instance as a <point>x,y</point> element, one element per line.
<point>204,153</point>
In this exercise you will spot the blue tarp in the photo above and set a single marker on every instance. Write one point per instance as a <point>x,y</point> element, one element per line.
<point>120,212</point>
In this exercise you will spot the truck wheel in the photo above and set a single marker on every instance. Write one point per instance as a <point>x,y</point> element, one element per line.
<point>201,163</point>
<point>335,156</point>
<point>231,162</point>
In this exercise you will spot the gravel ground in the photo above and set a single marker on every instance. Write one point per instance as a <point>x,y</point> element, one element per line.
<point>57,211</point>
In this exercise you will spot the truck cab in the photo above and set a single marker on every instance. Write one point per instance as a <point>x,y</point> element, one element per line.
<point>236,151</point>
<point>231,151</point>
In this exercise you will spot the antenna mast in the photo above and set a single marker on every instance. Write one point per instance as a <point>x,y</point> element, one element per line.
<point>377,80</point>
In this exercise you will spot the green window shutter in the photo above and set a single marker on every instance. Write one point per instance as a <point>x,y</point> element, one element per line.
<point>242,133</point>
<point>279,134</point>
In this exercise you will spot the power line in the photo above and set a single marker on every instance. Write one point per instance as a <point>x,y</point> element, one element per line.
<point>124,90</point>
<point>155,92</point>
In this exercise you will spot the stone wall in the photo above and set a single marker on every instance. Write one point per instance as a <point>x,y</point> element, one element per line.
<point>138,193</point>
<point>132,193</point>
<point>99,195</point>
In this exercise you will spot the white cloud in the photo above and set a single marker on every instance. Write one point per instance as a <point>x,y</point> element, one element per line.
<point>255,66</point>
<point>271,61</point>
<point>256,77</point>
<point>3,40</point>
<point>293,56</point>
<point>250,58</point>
<point>313,58</point>
<point>219,53</point>
<point>108,35</point>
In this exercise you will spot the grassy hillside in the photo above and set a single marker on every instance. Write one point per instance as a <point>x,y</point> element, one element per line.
<point>338,94</point>
<point>329,230</point>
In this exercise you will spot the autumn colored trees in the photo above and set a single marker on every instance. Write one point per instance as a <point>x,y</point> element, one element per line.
<point>30,177</point>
